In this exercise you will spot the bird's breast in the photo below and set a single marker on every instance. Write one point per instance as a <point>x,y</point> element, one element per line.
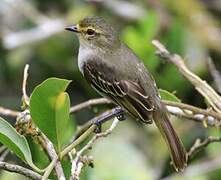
<point>84,55</point>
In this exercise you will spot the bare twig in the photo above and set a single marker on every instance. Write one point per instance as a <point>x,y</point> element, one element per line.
<point>76,170</point>
<point>215,74</point>
<point>21,170</point>
<point>201,86</point>
<point>8,112</point>
<point>207,116</point>
<point>49,169</point>
<point>78,140</point>
<point>89,103</point>
<point>107,115</point>
<point>76,164</point>
<point>54,157</point>
<point>25,77</point>
<point>91,127</point>
<point>200,145</point>
<point>24,119</point>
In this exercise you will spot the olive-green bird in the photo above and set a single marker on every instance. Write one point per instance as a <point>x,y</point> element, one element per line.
<point>113,69</point>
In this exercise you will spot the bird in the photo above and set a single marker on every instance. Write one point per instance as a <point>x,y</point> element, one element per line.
<point>116,72</point>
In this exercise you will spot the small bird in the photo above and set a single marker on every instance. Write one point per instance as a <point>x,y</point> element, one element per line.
<point>114,71</point>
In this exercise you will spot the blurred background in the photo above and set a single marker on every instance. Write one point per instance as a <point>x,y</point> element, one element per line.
<point>32,31</point>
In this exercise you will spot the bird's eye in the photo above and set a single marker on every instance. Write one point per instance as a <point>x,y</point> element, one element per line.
<point>90,32</point>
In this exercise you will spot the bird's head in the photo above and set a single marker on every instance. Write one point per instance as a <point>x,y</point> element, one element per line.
<point>95,32</point>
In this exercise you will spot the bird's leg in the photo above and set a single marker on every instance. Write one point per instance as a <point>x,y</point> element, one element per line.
<point>115,112</point>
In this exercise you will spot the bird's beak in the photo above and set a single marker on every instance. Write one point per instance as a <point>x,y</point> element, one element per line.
<point>73,28</point>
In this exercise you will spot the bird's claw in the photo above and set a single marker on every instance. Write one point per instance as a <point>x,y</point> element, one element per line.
<point>98,128</point>
<point>121,117</point>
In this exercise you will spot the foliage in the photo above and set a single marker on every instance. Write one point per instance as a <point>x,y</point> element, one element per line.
<point>15,142</point>
<point>50,107</point>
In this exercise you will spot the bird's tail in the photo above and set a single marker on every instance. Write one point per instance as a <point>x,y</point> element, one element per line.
<point>177,150</point>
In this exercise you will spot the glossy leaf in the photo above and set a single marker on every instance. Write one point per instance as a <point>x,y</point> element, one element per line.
<point>49,108</point>
<point>15,142</point>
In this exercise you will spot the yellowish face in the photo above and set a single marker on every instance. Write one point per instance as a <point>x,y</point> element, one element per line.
<point>88,32</point>
<point>95,32</point>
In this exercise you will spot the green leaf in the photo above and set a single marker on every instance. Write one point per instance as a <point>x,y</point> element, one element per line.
<point>49,108</point>
<point>15,142</point>
<point>165,95</point>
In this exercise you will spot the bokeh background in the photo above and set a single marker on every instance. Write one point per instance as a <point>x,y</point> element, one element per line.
<point>32,31</point>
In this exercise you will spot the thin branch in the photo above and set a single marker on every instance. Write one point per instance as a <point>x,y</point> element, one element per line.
<point>25,77</point>
<point>54,157</point>
<point>78,140</point>
<point>49,169</point>
<point>201,86</point>
<point>76,170</point>
<point>89,103</point>
<point>19,169</point>
<point>215,74</point>
<point>206,116</point>
<point>9,112</point>
<point>106,115</point>
<point>200,145</point>
<point>194,110</point>
<point>76,163</point>
<point>91,127</point>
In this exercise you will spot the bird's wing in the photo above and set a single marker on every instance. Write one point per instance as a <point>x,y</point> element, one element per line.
<point>126,93</point>
<point>129,94</point>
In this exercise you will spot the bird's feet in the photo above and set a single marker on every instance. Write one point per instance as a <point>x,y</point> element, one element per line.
<point>121,117</point>
<point>116,112</point>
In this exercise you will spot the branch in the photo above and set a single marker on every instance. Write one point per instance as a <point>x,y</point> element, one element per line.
<point>25,77</point>
<point>200,145</point>
<point>9,112</point>
<point>201,86</point>
<point>49,169</point>
<point>25,118</point>
<point>105,116</point>
<point>54,157</point>
<point>206,116</point>
<point>21,170</point>
<point>215,74</point>
<point>90,127</point>
<point>78,140</point>
<point>76,163</point>
<point>89,103</point>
